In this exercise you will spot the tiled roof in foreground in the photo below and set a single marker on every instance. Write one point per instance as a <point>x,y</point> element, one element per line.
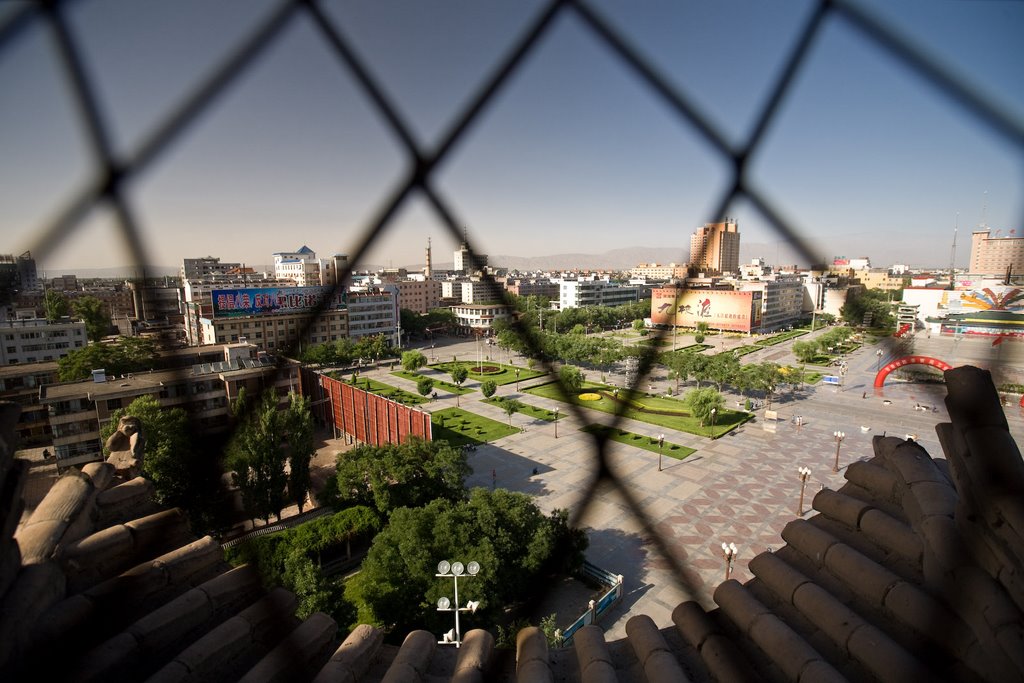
<point>910,572</point>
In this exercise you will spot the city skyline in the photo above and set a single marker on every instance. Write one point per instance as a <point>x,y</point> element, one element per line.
<point>574,155</point>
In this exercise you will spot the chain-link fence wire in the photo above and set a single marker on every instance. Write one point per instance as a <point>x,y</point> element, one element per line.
<point>111,172</point>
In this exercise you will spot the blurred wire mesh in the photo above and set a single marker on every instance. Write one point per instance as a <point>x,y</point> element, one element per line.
<point>110,172</point>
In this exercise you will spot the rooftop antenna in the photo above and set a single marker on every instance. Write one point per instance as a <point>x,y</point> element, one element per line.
<point>952,253</point>
<point>984,209</point>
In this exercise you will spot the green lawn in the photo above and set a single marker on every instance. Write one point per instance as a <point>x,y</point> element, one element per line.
<point>460,427</point>
<point>388,391</point>
<point>438,383</point>
<point>678,416</point>
<point>648,443</point>
<point>779,338</point>
<point>742,350</point>
<point>506,374</point>
<point>527,409</point>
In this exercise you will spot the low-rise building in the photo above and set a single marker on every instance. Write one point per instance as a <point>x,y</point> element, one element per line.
<point>38,339</point>
<point>20,384</point>
<point>373,312</point>
<point>480,318</point>
<point>579,293</point>
<point>78,410</point>
<point>419,296</point>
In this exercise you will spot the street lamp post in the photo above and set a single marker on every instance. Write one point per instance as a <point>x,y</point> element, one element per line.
<point>729,553</point>
<point>839,436</point>
<point>804,473</point>
<point>453,571</point>
<point>556,423</point>
<point>661,449</point>
<point>878,360</point>
<point>517,380</point>
<point>714,411</point>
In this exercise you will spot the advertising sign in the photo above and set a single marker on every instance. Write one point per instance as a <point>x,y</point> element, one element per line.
<point>726,310</point>
<point>229,303</point>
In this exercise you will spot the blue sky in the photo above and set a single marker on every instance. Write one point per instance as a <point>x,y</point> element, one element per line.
<point>574,155</point>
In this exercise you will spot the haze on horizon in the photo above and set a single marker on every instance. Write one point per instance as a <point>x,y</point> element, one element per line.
<point>574,155</point>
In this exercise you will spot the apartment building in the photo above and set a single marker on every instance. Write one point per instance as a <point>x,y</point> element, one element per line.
<point>373,312</point>
<point>20,383</point>
<point>715,247</point>
<point>593,292</point>
<point>419,296</point>
<point>78,410</point>
<point>38,339</point>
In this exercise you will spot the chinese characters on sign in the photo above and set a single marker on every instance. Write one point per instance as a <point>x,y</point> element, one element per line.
<point>238,302</point>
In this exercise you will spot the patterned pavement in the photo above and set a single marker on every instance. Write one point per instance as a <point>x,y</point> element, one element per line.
<point>742,488</point>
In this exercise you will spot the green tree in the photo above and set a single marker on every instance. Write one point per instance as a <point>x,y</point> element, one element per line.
<point>181,475</point>
<point>459,375</point>
<point>767,379</point>
<point>400,475</point>
<point>511,407</point>
<point>516,545</point>
<point>723,368</point>
<point>488,387</point>
<point>805,351</point>
<point>679,365</point>
<point>128,354</point>
<point>299,426</point>
<point>413,360</point>
<point>413,324</point>
<point>92,311</point>
<point>702,401</point>
<point>571,378</point>
<point>55,305</point>
<point>256,459</point>
<point>424,385</point>
<point>699,337</point>
<point>638,324</point>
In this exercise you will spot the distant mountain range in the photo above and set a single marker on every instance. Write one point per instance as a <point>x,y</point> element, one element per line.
<point>616,259</point>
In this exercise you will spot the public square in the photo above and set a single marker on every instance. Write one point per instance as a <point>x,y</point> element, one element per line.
<point>742,488</point>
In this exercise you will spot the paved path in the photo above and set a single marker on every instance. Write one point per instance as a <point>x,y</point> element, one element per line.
<point>742,488</point>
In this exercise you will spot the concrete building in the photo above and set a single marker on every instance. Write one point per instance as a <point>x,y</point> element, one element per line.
<point>374,312</point>
<point>593,292</point>
<point>715,247</point>
<point>878,278</point>
<point>301,267</point>
<point>823,294</point>
<point>480,318</point>
<point>659,271</point>
<point>334,269</point>
<point>78,410</point>
<point>467,263</point>
<point>477,291</point>
<point>532,287</point>
<point>20,384</point>
<point>205,266</point>
<point>782,299</point>
<point>37,339</point>
<point>197,301</point>
<point>992,254</point>
<point>420,296</point>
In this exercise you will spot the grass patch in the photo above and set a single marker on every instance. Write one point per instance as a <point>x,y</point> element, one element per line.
<point>388,391</point>
<point>648,443</point>
<point>742,350</point>
<point>673,412</point>
<point>527,409</point>
<point>505,375</point>
<point>782,337</point>
<point>438,383</point>
<point>461,427</point>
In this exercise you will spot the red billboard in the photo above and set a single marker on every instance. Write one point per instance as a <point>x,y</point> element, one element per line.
<point>720,309</point>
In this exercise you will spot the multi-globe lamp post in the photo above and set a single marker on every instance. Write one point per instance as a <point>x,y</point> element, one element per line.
<point>453,570</point>
<point>805,474</point>
<point>729,553</point>
<point>839,436</point>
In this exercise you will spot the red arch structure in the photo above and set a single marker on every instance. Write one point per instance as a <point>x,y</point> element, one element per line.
<point>909,360</point>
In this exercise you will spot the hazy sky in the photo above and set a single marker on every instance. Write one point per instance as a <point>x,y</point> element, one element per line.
<point>574,155</point>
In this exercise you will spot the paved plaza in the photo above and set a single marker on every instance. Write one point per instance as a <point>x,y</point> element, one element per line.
<point>742,488</point>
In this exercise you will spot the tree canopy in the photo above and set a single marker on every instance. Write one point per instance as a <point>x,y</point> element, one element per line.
<point>399,475</point>
<point>702,401</point>
<point>413,360</point>
<point>515,544</point>
<point>55,305</point>
<point>128,354</point>
<point>92,311</point>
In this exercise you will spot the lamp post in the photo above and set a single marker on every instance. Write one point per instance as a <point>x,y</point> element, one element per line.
<point>453,571</point>
<point>556,423</point>
<point>517,380</point>
<point>714,411</point>
<point>878,360</point>
<point>729,553</point>
<point>839,436</point>
<point>661,449</point>
<point>804,473</point>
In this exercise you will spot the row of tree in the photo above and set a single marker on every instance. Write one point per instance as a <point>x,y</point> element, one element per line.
<point>807,351</point>
<point>347,351</point>
<point>127,354</point>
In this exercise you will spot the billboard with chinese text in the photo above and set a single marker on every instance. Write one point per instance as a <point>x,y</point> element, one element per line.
<point>271,300</point>
<point>720,309</point>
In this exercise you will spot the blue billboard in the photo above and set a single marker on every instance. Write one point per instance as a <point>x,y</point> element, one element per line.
<point>229,303</point>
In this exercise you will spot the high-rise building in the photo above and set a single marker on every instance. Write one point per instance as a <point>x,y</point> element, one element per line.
<point>992,254</point>
<point>466,262</point>
<point>715,247</point>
